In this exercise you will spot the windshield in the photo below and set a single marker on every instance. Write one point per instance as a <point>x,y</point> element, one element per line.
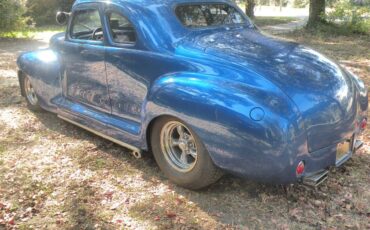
<point>206,15</point>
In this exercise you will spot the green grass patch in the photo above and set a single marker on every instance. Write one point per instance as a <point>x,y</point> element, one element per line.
<point>31,32</point>
<point>333,29</point>
<point>270,21</point>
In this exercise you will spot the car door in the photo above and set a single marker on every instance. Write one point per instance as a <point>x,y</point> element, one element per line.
<point>124,63</point>
<point>85,76</point>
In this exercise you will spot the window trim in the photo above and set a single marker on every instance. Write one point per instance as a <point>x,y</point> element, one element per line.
<point>247,21</point>
<point>111,40</point>
<point>85,6</point>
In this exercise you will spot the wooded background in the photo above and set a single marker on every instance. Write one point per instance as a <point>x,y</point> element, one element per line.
<point>354,14</point>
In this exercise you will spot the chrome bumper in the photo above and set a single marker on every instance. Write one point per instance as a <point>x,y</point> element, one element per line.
<point>358,144</point>
<point>315,179</point>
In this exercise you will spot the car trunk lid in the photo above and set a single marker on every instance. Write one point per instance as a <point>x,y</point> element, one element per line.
<point>324,94</point>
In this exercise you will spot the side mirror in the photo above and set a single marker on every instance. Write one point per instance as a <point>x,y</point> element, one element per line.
<point>62,18</point>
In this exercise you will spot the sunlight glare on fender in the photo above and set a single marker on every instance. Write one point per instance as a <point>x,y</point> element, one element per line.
<point>47,56</point>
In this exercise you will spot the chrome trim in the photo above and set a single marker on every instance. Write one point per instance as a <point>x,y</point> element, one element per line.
<point>123,144</point>
<point>358,145</point>
<point>344,159</point>
<point>348,155</point>
<point>178,146</point>
<point>30,92</point>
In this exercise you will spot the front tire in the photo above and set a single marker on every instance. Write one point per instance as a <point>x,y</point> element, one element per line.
<point>30,95</point>
<point>181,155</point>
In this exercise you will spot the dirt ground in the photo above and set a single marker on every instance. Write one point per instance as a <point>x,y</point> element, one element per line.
<point>54,175</point>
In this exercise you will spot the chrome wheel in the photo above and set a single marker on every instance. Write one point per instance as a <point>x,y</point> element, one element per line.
<point>178,146</point>
<point>30,92</point>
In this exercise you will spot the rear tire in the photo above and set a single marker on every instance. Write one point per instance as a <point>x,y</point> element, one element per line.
<point>181,155</point>
<point>30,95</point>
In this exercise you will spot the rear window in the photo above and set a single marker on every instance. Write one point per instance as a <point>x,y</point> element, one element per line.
<point>206,15</point>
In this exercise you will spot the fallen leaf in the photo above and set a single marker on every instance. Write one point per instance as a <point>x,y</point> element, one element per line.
<point>11,221</point>
<point>170,214</point>
<point>179,201</point>
<point>119,221</point>
<point>115,206</point>
<point>317,203</point>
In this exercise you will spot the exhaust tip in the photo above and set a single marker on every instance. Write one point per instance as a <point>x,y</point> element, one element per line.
<point>314,180</point>
<point>137,154</point>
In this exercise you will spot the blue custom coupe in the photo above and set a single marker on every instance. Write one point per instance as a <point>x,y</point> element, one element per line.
<point>197,84</point>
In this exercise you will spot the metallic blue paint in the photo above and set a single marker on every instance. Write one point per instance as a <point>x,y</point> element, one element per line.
<point>260,105</point>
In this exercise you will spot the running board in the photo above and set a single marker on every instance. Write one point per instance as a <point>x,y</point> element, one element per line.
<point>136,152</point>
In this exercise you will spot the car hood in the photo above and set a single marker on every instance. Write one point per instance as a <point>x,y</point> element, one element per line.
<point>324,94</point>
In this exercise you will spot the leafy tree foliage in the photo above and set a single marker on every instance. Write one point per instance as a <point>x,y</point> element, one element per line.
<point>351,15</point>
<point>11,12</point>
<point>43,11</point>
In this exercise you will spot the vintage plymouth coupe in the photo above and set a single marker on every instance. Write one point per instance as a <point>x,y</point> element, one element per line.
<point>200,86</point>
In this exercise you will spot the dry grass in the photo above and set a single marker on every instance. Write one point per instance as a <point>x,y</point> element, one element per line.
<point>56,176</point>
<point>270,21</point>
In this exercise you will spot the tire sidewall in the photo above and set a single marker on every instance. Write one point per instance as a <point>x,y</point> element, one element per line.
<point>196,177</point>
<point>37,107</point>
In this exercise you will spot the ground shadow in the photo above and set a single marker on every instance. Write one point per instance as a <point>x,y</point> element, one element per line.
<point>230,201</point>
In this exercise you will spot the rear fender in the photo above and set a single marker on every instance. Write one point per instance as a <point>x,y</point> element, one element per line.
<point>218,110</point>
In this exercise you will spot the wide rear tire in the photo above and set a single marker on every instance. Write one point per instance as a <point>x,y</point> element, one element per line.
<point>181,155</point>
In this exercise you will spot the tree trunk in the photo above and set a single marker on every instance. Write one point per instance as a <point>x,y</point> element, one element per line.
<point>281,5</point>
<point>249,8</point>
<point>317,12</point>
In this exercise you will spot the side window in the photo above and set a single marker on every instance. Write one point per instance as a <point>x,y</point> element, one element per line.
<point>206,15</point>
<point>86,25</point>
<point>121,29</point>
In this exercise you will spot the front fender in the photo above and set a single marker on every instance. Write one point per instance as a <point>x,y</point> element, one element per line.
<point>222,113</point>
<point>44,70</point>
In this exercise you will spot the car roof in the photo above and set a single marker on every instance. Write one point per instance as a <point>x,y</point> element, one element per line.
<point>154,20</point>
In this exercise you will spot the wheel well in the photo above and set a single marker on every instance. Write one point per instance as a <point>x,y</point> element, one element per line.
<point>20,79</point>
<point>149,130</point>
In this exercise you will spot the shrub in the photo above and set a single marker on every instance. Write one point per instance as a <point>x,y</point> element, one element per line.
<point>351,16</point>
<point>43,11</point>
<point>11,12</point>
<point>300,3</point>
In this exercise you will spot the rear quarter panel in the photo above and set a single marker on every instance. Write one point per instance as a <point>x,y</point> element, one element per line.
<point>218,110</point>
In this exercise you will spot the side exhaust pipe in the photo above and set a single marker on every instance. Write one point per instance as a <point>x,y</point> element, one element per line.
<point>137,154</point>
<point>315,179</point>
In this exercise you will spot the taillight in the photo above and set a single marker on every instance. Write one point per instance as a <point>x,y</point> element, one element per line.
<point>363,124</point>
<point>300,168</point>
